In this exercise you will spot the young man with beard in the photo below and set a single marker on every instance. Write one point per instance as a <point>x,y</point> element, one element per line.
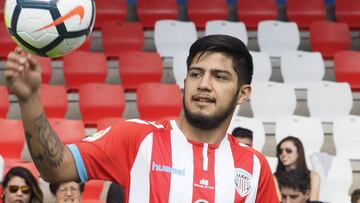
<point>189,159</point>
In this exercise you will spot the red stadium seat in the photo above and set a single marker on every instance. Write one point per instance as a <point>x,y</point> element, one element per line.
<point>87,44</point>
<point>84,67</point>
<point>118,37</point>
<point>6,43</point>
<point>347,68</point>
<point>69,131</point>
<point>329,37</point>
<point>348,11</point>
<point>109,10</point>
<point>97,101</point>
<point>106,122</point>
<point>156,101</point>
<point>54,100</point>
<point>136,68</point>
<point>151,11</point>
<point>4,102</point>
<point>305,11</point>
<point>93,189</point>
<point>254,11</point>
<point>12,138</point>
<point>201,11</point>
<point>28,165</point>
<point>46,68</point>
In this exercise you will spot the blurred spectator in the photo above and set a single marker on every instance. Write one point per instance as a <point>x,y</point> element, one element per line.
<point>67,192</point>
<point>115,194</point>
<point>20,185</point>
<point>243,135</point>
<point>355,196</point>
<point>291,156</point>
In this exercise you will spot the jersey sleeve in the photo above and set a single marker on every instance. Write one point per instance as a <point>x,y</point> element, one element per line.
<point>266,189</point>
<point>110,153</point>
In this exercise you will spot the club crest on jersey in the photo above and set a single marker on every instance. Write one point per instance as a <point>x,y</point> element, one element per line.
<point>243,182</point>
<point>96,136</point>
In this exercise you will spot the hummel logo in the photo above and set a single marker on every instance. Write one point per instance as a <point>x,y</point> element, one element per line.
<point>79,10</point>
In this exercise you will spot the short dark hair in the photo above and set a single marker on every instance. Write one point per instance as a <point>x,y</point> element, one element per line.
<point>296,180</point>
<point>55,186</point>
<point>242,133</point>
<point>229,46</point>
<point>355,196</point>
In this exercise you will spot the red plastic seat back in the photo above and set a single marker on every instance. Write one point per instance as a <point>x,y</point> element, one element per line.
<point>156,101</point>
<point>106,122</point>
<point>254,11</point>
<point>93,189</point>
<point>348,11</point>
<point>87,44</point>
<point>97,101</point>
<point>305,11</point>
<point>329,37</point>
<point>109,10</point>
<point>201,11</point>
<point>151,11</point>
<point>82,67</point>
<point>69,131</point>
<point>46,68</point>
<point>4,102</point>
<point>136,68</point>
<point>12,138</point>
<point>118,37</point>
<point>54,100</point>
<point>6,43</point>
<point>9,163</point>
<point>347,68</point>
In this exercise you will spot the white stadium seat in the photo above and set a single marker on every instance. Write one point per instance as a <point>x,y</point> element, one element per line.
<point>234,29</point>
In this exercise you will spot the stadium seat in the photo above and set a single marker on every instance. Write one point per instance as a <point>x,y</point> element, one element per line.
<point>262,67</point>
<point>97,101</point>
<point>151,11</point>
<point>308,129</point>
<point>202,11</point>
<point>329,37</point>
<point>46,68</point>
<point>4,102</point>
<point>69,131</point>
<point>254,11</point>
<point>136,67</point>
<point>273,161</point>
<point>172,36</point>
<point>87,44</point>
<point>235,29</point>
<point>270,100</point>
<point>338,181</point>
<point>11,139</point>
<point>93,189</point>
<point>84,67</point>
<point>54,100</point>
<point>276,37</point>
<point>347,68</point>
<point>253,124</point>
<point>118,37</point>
<point>348,11</point>
<point>180,68</point>
<point>109,10</point>
<point>305,12</point>
<point>106,122</point>
<point>156,101</point>
<point>300,68</point>
<point>28,165</point>
<point>328,100</point>
<point>6,43</point>
<point>346,136</point>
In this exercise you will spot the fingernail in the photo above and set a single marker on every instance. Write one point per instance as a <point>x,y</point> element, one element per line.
<point>22,60</point>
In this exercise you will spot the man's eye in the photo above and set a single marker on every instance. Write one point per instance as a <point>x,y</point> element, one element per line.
<point>195,75</point>
<point>221,77</point>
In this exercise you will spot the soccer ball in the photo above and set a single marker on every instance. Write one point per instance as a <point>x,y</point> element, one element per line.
<point>50,28</point>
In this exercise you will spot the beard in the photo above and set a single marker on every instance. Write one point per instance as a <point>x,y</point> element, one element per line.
<point>209,122</point>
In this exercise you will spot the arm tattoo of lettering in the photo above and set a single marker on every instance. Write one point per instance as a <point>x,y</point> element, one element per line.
<point>53,149</point>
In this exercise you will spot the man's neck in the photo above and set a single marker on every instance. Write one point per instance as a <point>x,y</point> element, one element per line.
<point>213,136</point>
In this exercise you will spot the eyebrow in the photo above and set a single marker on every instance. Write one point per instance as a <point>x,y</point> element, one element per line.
<point>216,71</point>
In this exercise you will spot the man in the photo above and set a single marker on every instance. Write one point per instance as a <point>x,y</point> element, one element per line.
<point>190,159</point>
<point>243,135</point>
<point>355,196</point>
<point>295,187</point>
<point>67,192</point>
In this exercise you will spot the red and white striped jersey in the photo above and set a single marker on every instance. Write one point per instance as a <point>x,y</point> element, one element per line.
<point>155,162</point>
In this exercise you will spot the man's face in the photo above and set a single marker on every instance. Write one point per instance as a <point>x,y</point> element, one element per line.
<point>68,192</point>
<point>210,91</point>
<point>289,195</point>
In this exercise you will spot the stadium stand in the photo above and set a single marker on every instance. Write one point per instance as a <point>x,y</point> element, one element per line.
<point>347,68</point>
<point>11,139</point>
<point>202,11</point>
<point>304,12</point>
<point>235,29</point>
<point>4,102</point>
<point>109,10</point>
<point>151,11</point>
<point>69,131</point>
<point>106,122</point>
<point>262,67</point>
<point>54,99</point>
<point>6,43</point>
<point>179,68</point>
<point>348,11</point>
<point>46,68</point>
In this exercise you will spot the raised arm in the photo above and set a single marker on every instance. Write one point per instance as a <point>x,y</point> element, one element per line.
<point>53,160</point>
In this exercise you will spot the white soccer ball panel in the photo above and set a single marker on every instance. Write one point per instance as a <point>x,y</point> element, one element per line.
<point>74,23</point>
<point>8,11</point>
<point>75,42</point>
<point>65,46</point>
<point>40,42</point>
<point>28,14</point>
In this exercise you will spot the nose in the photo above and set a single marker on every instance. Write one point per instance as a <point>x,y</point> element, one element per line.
<point>68,192</point>
<point>286,200</point>
<point>205,83</point>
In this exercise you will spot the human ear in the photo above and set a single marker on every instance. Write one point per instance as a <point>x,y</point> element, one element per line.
<point>244,94</point>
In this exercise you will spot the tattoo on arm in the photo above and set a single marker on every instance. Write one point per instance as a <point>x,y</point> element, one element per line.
<point>52,148</point>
